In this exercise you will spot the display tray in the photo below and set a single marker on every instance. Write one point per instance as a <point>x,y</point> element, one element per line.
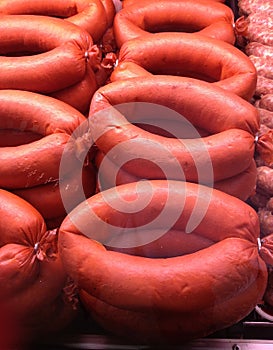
<point>252,333</point>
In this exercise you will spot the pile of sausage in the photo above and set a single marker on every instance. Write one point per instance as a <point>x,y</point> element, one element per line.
<point>96,96</point>
<point>255,36</point>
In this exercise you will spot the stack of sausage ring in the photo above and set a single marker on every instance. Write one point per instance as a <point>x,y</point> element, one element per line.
<point>191,55</point>
<point>172,15</point>
<point>78,12</point>
<point>163,248</point>
<point>37,129</point>
<point>174,288</point>
<point>231,122</point>
<point>61,54</point>
<point>140,274</point>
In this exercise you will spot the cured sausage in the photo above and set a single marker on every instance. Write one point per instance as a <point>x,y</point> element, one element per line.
<point>36,162</point>
<point>221,110</point>
<point>166,328</point>
<point>110,10</point>
<point>105,219</point>
<point>136,150</point>
<point>80,94</point>
<point>241,186</point>
<point>192,55</point>
<point>204,16</point>
<point>78,12</point>
<point>12,137</point>
<point>58,51</point>
<point>31,272</point>
<point>48,199</point>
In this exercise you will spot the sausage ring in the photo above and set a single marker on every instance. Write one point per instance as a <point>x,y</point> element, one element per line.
<point>78,12</point>
<point>48,200</point>
<point>119,139</point>
<point>110,10</point>
<point>192,55</point>
<point>37,162</point>
<point>31,272</point>
<point>175,288</point>
<point>241,185</point>
<point>58,51</point>
<point>204,16</point>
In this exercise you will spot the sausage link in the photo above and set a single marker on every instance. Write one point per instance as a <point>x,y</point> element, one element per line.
<point>214,60</point>
<point>156,16</point>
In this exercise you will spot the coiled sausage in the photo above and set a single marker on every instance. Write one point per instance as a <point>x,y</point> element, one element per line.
<point>58,51</point>
<point>206,17</point>
<point>78,12</point>
<point>192,55</point>
<point>37,162</point>
<point>181,157</point>
<point>175,288</point>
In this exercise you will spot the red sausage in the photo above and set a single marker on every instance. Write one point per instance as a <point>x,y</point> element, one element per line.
<point>241,186</point>
<point>201,16</point>
<point>174,284</point>
<point>36,162</point>
<point>78,12</point>
<point>80,94</point>
<point>137,151</point>
<point>48,200</point>
<point>205,106</point>
<point>110,10</point>
<point>31,273</point>
<point>173,328</point>
<point>58,51</point>
<point>192,55</point>
<point>13,137</point>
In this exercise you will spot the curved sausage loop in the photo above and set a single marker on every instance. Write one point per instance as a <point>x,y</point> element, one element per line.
<point>190,55</point>
<point>52,123</point>
<point>31,272</point>
<point>88,15</point>
<point>209,18</point>
<point>61,54</point>
<point>119,110</point>
<point>226,241</point>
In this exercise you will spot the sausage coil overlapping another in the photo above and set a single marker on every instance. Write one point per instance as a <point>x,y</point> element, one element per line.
<point>61,54</point>
<point>184,298</point>
<point>231,122</point>
<point>38,129</point>
<point>78,12</point>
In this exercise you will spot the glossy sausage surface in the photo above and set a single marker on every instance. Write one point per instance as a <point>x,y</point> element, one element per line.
<point>206,17</point>
<point>191,55</point>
